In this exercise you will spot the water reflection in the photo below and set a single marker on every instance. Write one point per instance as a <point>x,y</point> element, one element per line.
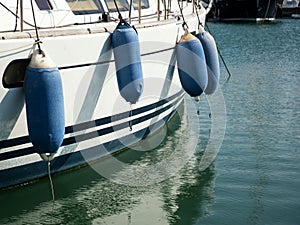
<point>84,197</point>
<point>190,196</point>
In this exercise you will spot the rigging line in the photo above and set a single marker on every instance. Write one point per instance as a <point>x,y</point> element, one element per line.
<point>120,16</point>
<point>224,63</point>
<point>130,7</point>
<point>32,25</point>
<point>19,48</point>
<point>109,61</point>
<point>17,10</point>
<point>199,22</point>
<point>36,29</point>
<point>29,24</point>
<point>184,23</point>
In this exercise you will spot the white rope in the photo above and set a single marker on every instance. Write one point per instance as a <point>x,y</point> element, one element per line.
<point>51,183</point>
<point>21,47</point>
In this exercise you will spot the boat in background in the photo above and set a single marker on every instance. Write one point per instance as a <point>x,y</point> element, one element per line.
<point>290,8</point>
<point>100,118</point>
<point>245,10</point>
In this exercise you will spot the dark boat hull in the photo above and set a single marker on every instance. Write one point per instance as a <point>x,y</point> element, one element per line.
<point>246,10</point>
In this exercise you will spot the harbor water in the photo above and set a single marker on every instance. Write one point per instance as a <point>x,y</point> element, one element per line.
<point>254,179</point>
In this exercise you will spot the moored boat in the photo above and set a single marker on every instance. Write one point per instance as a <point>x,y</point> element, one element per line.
<point>98,118</point>
<point>290,8</point>
<point>246,10</point>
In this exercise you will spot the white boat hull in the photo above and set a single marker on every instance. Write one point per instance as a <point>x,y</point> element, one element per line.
<point>97,118</point>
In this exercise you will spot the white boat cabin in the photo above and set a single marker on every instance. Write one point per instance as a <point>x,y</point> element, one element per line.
<point>63,13</point>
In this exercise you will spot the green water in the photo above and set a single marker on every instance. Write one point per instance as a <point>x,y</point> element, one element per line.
<point>255,178</point>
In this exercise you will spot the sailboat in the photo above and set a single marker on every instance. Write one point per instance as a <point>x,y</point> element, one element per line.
<point>85,79</point>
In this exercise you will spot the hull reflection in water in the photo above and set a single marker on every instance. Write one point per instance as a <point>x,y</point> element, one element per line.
<point>84,197</point>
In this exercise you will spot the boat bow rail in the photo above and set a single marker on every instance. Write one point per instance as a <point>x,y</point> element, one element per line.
<point>64,14</point>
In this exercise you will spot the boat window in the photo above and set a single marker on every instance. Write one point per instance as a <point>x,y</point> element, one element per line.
<point>44,4</point>
<point>122,5</point>
<point>85,6</point>
<point>144,4</point>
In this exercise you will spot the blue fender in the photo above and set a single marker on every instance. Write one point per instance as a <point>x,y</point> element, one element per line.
<point>126,49</point>
<point>212,61</point>
<point>44,108</point>
<point>192,67</point>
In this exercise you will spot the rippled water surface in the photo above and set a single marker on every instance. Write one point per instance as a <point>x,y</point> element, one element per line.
<point>255,178</point>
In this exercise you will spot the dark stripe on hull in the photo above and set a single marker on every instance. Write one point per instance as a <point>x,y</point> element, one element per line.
<point>94,123</point>
<point>37,170</point>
